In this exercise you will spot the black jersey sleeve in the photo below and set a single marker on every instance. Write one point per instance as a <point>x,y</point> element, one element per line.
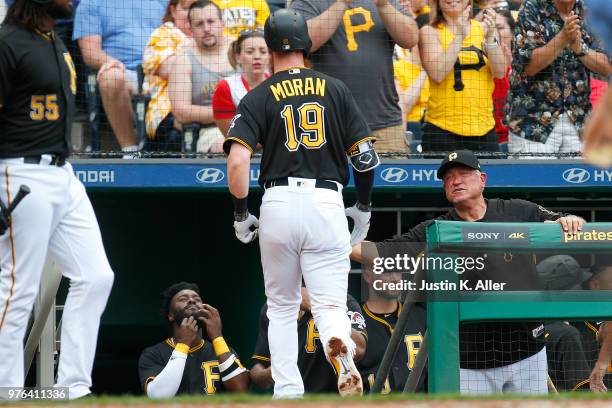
<point>355,314</point>
<point>150,364</point>
<point>262,348</point>
<point>566,358</point>
<point>356,129</point>
<point>574,362</point>
<point>532,212</point>
<point>245,127</point>
<point>8,65</point>
<point>411,242</point>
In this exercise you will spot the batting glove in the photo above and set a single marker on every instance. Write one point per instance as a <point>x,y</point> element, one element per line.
<point>361,217</point>
<point>243,228</point>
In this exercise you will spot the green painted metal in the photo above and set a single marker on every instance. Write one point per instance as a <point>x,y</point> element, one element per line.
<point>444,315</point>
<point>449,236</point>
<point>443,327</point>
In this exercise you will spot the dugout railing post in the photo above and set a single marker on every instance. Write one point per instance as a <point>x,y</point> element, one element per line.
<point>42,333</point>
<point>445,314</point>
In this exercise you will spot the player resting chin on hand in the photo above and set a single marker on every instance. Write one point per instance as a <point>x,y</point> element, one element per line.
<point>186,363</point>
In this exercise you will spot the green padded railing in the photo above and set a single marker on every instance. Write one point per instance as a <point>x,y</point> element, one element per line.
<point>443,316</point>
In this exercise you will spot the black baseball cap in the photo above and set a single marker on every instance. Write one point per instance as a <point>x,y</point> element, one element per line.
<point>286,30</point>
<point>458,158</point>
<point>562,272</point>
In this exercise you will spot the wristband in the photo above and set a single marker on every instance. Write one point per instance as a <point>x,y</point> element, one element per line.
<point>182,348</point>
<point>230,368</point>
<point>227,363</point>
<point>363,207</point>
<point>241,216</point>
<point>240,208</point>
<point>220,346</point>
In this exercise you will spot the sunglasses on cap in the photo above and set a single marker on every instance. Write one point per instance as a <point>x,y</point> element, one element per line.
<point>251,32</point>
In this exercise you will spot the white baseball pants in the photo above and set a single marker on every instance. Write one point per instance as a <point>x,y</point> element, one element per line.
<point>303,231</point>
<point>56,218</point>
<point>527,376</point>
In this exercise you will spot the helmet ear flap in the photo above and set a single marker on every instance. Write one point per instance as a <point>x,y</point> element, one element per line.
<point>286,30</point>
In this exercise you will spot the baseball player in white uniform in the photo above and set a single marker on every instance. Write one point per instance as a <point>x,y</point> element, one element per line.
<point>37,88</point>
<point>307,123</point>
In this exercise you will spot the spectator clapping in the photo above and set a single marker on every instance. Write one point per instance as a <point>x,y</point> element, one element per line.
<point>461,57</point>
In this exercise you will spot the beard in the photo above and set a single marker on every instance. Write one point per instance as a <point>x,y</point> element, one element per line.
<point>60,12</point>
<point>388,294</point>
<point>181,314</point>
<point>209,42</point>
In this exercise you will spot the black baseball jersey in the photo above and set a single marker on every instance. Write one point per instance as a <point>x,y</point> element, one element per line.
<point>306,122</point>
<point>591,342</point>
<point>200,376</point>
<point>317,374</point>
<point>493,344</point>
<point>380,328</point>
<point>37,88</point>
<point>567,364</point>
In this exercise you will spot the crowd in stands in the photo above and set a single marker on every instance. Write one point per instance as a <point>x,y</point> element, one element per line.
<point>486,75</point>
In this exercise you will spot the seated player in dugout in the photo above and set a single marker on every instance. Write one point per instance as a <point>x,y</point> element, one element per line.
<point>318,375</point>
<point>567,363</point>
<point>597,336</point>
<point>196,359</point>
<point>494,356</point>
<point>381,311</point>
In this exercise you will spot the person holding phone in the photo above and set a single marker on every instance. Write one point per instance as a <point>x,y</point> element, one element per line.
<point>196,359</point>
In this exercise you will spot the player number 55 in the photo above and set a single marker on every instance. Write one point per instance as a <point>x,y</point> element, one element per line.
<point>44,107</point>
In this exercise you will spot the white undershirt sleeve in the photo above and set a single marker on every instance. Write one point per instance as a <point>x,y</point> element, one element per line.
<point>166,383</point>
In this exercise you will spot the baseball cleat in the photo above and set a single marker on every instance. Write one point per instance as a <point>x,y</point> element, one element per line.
<point>349,379</point>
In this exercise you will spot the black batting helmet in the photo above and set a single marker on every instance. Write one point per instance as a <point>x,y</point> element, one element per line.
<point>286,30</point>
<point>42,1</point>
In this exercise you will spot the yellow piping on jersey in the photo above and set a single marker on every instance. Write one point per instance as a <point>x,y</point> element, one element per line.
<point>580,384</point>
<point>258,357</point>
<point>298,87</point>
<point>170,342</point>
<point>242,142</point>
<point>378,319</point>
<point>8,204</point>
<point>48,37</point>
<point>594,329</point>
<point>354,146</point>
<point>146,383</point>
